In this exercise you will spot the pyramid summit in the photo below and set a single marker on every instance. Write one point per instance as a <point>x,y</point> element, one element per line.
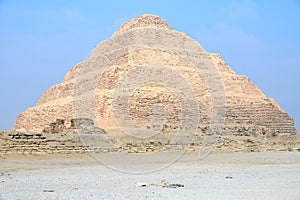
<point>146,20</point>
<point>146,75</point>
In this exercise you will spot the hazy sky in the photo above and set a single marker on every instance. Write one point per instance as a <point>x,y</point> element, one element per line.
<point>41,40</point>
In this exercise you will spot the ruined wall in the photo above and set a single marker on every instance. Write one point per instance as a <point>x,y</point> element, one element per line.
<point>45,144</point>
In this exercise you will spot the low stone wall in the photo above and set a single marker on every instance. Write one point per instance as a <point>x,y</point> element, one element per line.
<point>37,143</point>
<point>43,144</point>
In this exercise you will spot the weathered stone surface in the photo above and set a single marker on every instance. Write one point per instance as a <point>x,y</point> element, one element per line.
<point>78,125</point>
<point>249,113</point>
<point>63,143</point>
<point>142,22</point>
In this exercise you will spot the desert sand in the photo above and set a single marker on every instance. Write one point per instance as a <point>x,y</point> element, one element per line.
<point>265,175</point>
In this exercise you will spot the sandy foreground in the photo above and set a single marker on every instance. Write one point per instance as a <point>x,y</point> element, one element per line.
<point>268,175</point>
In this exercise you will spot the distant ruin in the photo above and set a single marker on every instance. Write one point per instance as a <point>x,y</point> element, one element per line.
<point>82,124</point>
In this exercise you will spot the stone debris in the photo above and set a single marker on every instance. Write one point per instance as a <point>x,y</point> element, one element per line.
<point>163,183</point>
<point>138,184</point>
<point>174,185</point>
<point>48,190</point>
<point>82,125</point>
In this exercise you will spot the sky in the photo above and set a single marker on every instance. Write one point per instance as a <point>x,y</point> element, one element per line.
<point>41,40</point>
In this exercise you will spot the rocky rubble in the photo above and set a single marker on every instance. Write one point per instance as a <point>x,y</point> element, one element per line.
<point>82,125</point>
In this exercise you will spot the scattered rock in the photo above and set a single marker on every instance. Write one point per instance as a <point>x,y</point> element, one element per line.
<point>165,184</point>
<point>48,190</point>
<point>141,184</point>
<point>174,185</point>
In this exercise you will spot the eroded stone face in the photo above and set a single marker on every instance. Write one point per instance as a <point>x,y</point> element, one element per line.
<point>142,22</point>
<point>149,42</point>
<point>144,97</point>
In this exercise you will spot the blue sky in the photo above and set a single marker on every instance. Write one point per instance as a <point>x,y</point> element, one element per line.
<point>41,40</point>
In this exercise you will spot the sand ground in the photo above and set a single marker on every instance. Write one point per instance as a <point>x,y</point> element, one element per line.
<point>268,175</point>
